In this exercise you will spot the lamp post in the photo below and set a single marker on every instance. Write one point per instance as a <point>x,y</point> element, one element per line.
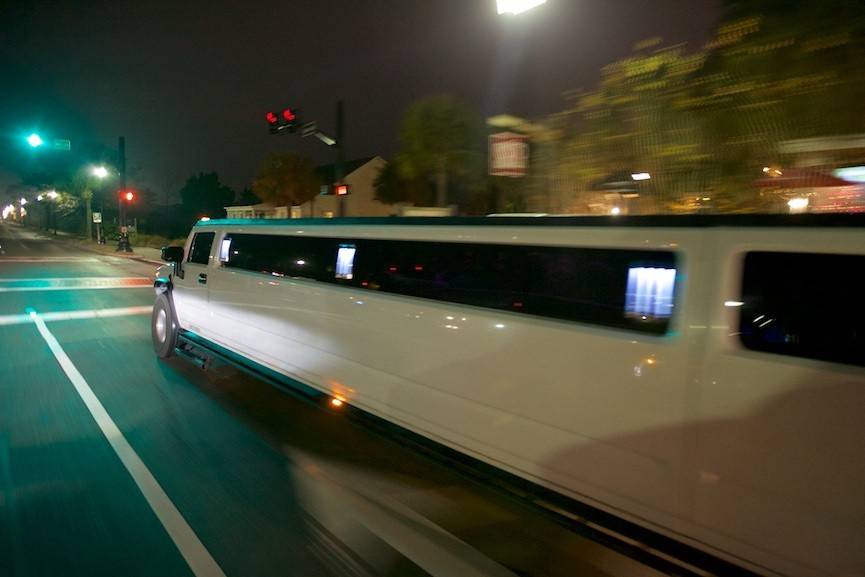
<point>101,173</point>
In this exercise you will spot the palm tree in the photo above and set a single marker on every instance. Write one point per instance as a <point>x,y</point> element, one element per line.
<point>440,138</point>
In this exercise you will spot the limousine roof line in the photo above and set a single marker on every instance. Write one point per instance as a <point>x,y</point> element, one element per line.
<point>655,221</point>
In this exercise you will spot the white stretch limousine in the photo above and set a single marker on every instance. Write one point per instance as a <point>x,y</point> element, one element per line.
<point>695,381</point>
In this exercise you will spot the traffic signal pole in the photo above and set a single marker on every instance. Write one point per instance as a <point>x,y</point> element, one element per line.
<point>339,167</point>
<point>289,122</point>
<point>123,241</point>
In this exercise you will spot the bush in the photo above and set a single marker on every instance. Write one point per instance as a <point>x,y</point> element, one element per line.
<point>155,241</point>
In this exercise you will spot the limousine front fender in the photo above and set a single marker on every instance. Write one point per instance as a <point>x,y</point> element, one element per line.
<point>162,281</point>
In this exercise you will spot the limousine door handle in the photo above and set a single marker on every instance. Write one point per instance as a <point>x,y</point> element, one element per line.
<point>202,278</point>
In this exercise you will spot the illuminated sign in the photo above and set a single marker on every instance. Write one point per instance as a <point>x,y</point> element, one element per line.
<point>509,154</point>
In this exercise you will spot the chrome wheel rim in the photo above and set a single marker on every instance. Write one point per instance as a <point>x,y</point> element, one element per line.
<point>161,323</point>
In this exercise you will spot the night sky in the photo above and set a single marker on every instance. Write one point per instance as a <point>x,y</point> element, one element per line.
<point>189,85</point>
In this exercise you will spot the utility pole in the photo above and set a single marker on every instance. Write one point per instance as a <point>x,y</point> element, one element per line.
<point>339,168</point>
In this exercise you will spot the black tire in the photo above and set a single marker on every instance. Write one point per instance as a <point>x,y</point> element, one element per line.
<point>163,327</point>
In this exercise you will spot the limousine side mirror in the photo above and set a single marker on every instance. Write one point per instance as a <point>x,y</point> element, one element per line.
<point>172,254</point>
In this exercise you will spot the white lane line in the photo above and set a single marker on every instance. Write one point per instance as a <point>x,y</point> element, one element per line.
<point>193,550</point>
<point>77,315</point>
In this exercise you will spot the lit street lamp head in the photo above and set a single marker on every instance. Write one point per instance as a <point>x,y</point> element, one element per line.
<point>518,6</point>
<point>99,171</point>
<point>35,140</point>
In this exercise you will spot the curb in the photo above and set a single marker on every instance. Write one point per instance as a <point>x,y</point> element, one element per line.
<point>83,245</point>
<point>121,255</point>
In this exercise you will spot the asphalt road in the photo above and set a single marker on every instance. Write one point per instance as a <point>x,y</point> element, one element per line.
<point>213,473</point>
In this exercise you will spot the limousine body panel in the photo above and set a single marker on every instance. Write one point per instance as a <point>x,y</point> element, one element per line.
<point>685,432</point>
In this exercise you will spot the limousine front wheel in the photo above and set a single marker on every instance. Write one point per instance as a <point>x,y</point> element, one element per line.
<point>163,327</point>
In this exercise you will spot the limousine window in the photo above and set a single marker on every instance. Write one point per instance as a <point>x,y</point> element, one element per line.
<point>804,305</point>
<point>345,261</point>
<point>618,288</point>
<point>200,251</point>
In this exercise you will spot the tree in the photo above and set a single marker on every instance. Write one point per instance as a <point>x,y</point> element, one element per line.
<point>391,187</point>
<point>704,123</point>
<point>286,179</point>
<point>247,197</point>
<point>204,195</point>
<point>81,186</point>
<point>439,138</point>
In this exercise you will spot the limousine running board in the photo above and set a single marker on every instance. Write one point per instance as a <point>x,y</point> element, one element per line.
<point>194,354</point>
<point>659,552</point>
<point>203,352</point>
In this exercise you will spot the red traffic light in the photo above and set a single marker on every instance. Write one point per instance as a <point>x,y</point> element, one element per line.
<point>341,190</point>
<point>128,195</point>
<point>289,115</point>
<point>272,118</point>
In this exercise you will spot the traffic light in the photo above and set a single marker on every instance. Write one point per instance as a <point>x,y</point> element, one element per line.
<point>287,120</point>
<point>127,195</point>
<point>272,122</point>
<point>35,141</point>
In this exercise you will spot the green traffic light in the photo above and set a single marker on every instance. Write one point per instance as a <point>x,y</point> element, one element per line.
<point>35,140</point>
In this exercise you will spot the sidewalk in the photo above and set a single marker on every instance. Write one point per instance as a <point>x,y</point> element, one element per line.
<point>142,253</point>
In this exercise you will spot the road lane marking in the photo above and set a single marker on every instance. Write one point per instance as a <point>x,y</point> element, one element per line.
<point>6,320</point>
<point>73,283</point>
<point>191,548</point>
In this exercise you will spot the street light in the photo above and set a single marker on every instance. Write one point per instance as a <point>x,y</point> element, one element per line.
<point>517,6</point>
<point>99,172</point>
<point>35,140</point>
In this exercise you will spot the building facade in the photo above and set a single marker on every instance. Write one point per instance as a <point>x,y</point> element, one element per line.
<point>360,177</point>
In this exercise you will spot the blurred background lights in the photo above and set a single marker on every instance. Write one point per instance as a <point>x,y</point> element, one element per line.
<point>799,204</point>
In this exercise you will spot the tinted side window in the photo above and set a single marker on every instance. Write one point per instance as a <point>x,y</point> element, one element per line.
<point>618,288</point>
<point>282,255</point>
<point>594,286</point>
<point>199,252</point>
<point>804,305</point>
